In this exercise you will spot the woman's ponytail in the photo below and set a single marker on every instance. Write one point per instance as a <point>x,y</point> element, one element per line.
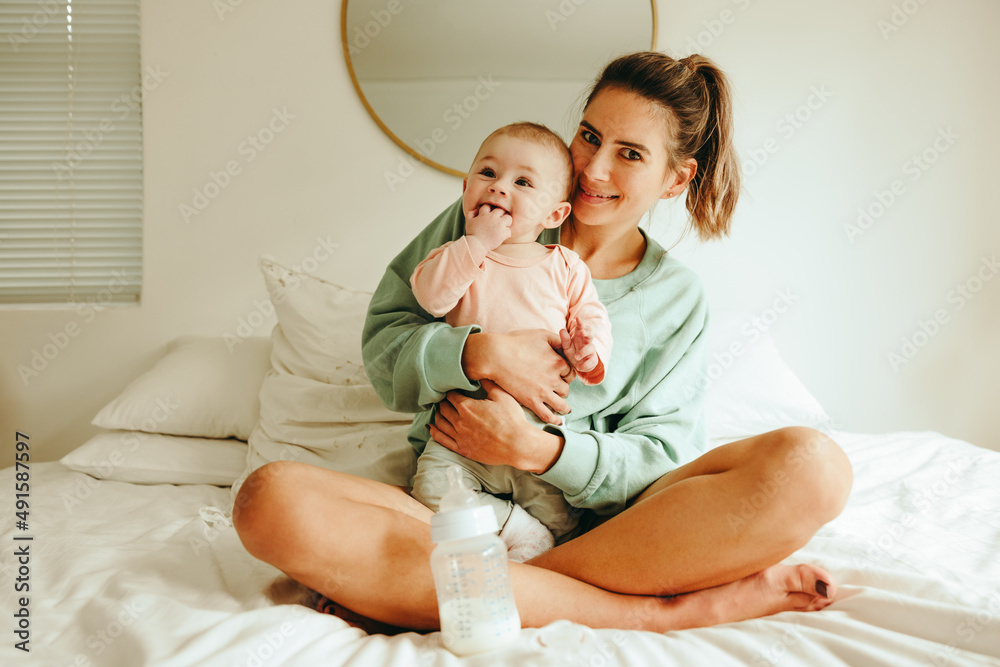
<point>715,188</point>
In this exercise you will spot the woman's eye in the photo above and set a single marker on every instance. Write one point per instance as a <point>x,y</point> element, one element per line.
<point>590,137</point>
<point>523,181</point>
<point>632,154</point>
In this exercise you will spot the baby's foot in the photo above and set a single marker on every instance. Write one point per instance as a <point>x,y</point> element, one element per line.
<point>525,536</point>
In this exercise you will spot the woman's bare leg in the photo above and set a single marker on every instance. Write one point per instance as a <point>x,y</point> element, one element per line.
<point>732,512</point>
<point>367,546</point>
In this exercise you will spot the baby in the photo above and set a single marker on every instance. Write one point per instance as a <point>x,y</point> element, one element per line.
<point>499,277</point>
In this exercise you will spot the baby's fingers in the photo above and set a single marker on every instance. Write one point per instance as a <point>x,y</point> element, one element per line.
<point>587,363</point>
<point>566,341</point>
<point>582,336</point>
<point>583,351</point>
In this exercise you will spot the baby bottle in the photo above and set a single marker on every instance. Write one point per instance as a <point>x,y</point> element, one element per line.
<point>469,564</point>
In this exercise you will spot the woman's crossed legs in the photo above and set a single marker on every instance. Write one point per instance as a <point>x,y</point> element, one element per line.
<point>711,530</point>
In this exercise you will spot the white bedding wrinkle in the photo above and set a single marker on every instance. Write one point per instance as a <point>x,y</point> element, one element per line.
<point>134,575</point>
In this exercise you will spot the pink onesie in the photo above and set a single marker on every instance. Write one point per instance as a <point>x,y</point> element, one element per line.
<point>467,284</point>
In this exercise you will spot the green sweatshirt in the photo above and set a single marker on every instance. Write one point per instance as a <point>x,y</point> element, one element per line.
<point>644,420</point>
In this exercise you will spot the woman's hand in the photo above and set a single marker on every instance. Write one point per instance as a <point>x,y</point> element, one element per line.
<point>527,365</point>
<point>493,431</point>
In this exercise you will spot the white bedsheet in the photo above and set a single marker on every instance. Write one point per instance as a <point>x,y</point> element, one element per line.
<point>128,575</point>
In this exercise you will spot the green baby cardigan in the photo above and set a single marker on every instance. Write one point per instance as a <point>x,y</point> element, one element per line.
<point>646,417</point>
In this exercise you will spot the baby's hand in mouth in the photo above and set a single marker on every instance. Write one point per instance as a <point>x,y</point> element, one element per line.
<point>493,207</point>
<point>490,224</point>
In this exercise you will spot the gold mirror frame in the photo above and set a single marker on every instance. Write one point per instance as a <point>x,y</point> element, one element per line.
<point>344,42</point>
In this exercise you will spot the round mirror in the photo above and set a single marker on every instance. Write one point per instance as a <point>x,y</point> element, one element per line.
<point>439,76</point>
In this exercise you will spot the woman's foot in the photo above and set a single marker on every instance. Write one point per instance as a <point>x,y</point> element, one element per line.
<point>771,591</point>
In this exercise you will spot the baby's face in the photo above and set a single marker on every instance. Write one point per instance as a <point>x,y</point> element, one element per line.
<point>524,178</point>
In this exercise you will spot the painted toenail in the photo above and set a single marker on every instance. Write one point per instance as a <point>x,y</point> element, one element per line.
<point>821,588</point>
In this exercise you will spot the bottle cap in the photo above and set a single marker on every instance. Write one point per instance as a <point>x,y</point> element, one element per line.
<point>460,515</point>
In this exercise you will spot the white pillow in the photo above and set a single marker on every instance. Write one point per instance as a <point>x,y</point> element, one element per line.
<point>204,387</point>
<point>316,403</point>
<point>151,458</point>
<point>750,388</point>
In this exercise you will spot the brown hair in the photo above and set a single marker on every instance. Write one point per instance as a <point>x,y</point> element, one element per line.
<point>695,94</point>
<point>540,134</point>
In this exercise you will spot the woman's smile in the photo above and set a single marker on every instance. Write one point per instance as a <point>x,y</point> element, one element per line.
<point>593,195</point>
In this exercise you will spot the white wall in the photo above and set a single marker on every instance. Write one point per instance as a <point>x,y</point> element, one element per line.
<point>890,93</point>
<point>322,177</point>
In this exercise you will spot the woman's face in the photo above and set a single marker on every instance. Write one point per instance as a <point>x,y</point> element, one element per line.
<point>620,160</point>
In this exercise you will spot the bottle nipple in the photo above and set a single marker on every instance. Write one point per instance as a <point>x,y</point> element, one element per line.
<point>458,496</point>
<point>459,514</point>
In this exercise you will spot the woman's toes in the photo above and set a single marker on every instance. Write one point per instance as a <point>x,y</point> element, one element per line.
<point>813,581</point>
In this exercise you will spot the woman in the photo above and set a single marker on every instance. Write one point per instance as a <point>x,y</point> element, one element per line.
<point>653,127</point>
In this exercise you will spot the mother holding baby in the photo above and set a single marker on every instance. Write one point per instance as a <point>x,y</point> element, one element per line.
<point>665,543</point>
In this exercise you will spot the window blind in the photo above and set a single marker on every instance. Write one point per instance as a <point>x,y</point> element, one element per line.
<point>70,152</point>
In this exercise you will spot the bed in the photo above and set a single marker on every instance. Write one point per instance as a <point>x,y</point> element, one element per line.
<point>133,559</point>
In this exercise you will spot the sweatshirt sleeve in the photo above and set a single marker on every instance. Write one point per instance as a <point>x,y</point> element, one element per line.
<point>614,455</point>
<point>411,358</point>
<point>440,281</point>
